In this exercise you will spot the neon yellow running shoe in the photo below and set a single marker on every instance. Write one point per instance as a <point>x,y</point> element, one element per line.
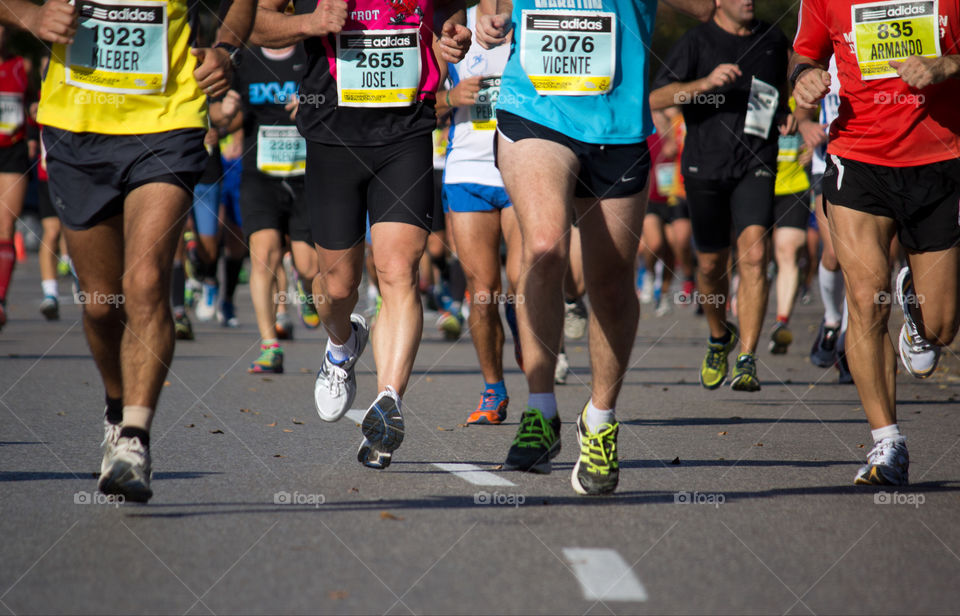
<point>597,470</point>
<point>713,370</point>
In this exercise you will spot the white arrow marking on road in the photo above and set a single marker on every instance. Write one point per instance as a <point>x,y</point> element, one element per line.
<point>474,474</point>
<point>604,575</point>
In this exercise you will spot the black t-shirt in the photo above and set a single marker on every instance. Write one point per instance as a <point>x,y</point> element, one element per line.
<point>266,85</point>
<point>326,122</point>
<point>717,146</point>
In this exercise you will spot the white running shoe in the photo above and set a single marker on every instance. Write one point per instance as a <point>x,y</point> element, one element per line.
<point>888,464</point>
<point>647,288</point>
<point>574,319</point>
<point>562,370</point>
<point>206,309</point>
<point>336,385</point>
<point>919,356</point>
<point>111,434</point>
<point>382,429</point>
<point>128,471</point>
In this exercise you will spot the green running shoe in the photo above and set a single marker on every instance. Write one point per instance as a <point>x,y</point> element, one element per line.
<point>536,443</point>
<point>597,470</point>
<point>745,374</point>
<point>270,360</point>
<point>308,312</point>
<point>714,368</point>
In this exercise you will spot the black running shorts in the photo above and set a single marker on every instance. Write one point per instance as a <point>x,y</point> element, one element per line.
<point>91,173</point>
<point>924,200</point>
<point>393,183</point>
<point>606,171</point>
<point>14,158</point>
<point>718,207</point>
<point>274,203</point>
<point>792,210</point>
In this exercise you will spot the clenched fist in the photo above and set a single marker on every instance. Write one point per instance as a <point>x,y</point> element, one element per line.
<point>327,18</point>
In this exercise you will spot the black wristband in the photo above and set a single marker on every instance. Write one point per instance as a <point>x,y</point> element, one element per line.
<point>797,71</point>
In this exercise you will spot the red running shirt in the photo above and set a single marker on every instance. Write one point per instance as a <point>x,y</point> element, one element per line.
<point>13,101</point>
<point>881,120</point>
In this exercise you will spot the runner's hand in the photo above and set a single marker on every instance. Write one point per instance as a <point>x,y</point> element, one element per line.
<point>214,71</point>
<point>723,75</point>
<point>789,125</point>
<point>230,105</point>
<point>811,87</point>
<point>813,134</point>
<point>328,18</point>
<point>465,92</point>
<point>919,72</point>
<point>454,42</point>
<point>293,106</point>
<point>492,30</point>
<point>54,22</point>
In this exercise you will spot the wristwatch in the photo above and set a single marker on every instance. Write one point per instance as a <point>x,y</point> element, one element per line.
<point>796,73</point>
<point>233,51</point>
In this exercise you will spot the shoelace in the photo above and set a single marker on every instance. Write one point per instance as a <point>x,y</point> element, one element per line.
<point>747,363</point>
<point>600,446</point>
<point>715,357</point>
<point>111,434</point>
<point>336,377</point>
<point>881,450</point>
<point>534,431</point>
<point>918,343</point>
<point>489,400</point>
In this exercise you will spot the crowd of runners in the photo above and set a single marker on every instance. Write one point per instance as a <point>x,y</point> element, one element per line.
<point>512,161</point>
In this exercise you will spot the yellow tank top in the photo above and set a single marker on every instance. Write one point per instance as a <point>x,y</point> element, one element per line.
<point>791,176</point>
<point>129,71</point>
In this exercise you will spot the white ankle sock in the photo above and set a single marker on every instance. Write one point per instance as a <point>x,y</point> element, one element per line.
<point>50,288</point>
<point>340,353</point>
<point>594,417</point>
<point>891,431</point>
<point>545,403</point>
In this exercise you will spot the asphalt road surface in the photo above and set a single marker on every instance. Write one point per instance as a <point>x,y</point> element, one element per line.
<point>728,502</point>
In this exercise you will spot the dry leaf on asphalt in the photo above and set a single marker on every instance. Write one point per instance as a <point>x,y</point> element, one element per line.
<point>217,431</point>
<point>386,515</point>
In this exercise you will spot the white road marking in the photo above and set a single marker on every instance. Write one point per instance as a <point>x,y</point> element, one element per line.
<point>474,474</point>
<point>604,575</point>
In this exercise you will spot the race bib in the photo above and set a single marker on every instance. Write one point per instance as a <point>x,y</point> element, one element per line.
<point>666,174</point>
<point>885,31</point>
<point>788,148</point>
<point>483,113</point>
<point>378,68</point>
<point>281,151</point>
<point>11,113</point>
<point>120,47</point>
<point>572,54</point>
<point>761,107</point>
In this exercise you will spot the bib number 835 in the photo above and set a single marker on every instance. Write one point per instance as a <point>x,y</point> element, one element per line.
<point>894,30</point>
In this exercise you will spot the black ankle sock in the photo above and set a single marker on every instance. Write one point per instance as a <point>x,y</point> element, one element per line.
<point>178,285</point>
<point>140,433</point>
<point>114,412</point>
<point>458,281</point>
<point>721,340</point>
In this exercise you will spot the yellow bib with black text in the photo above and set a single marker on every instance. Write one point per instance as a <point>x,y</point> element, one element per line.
<point>129,71</point>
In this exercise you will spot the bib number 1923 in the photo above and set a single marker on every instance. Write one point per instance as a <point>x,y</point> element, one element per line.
<point>120,47</point>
